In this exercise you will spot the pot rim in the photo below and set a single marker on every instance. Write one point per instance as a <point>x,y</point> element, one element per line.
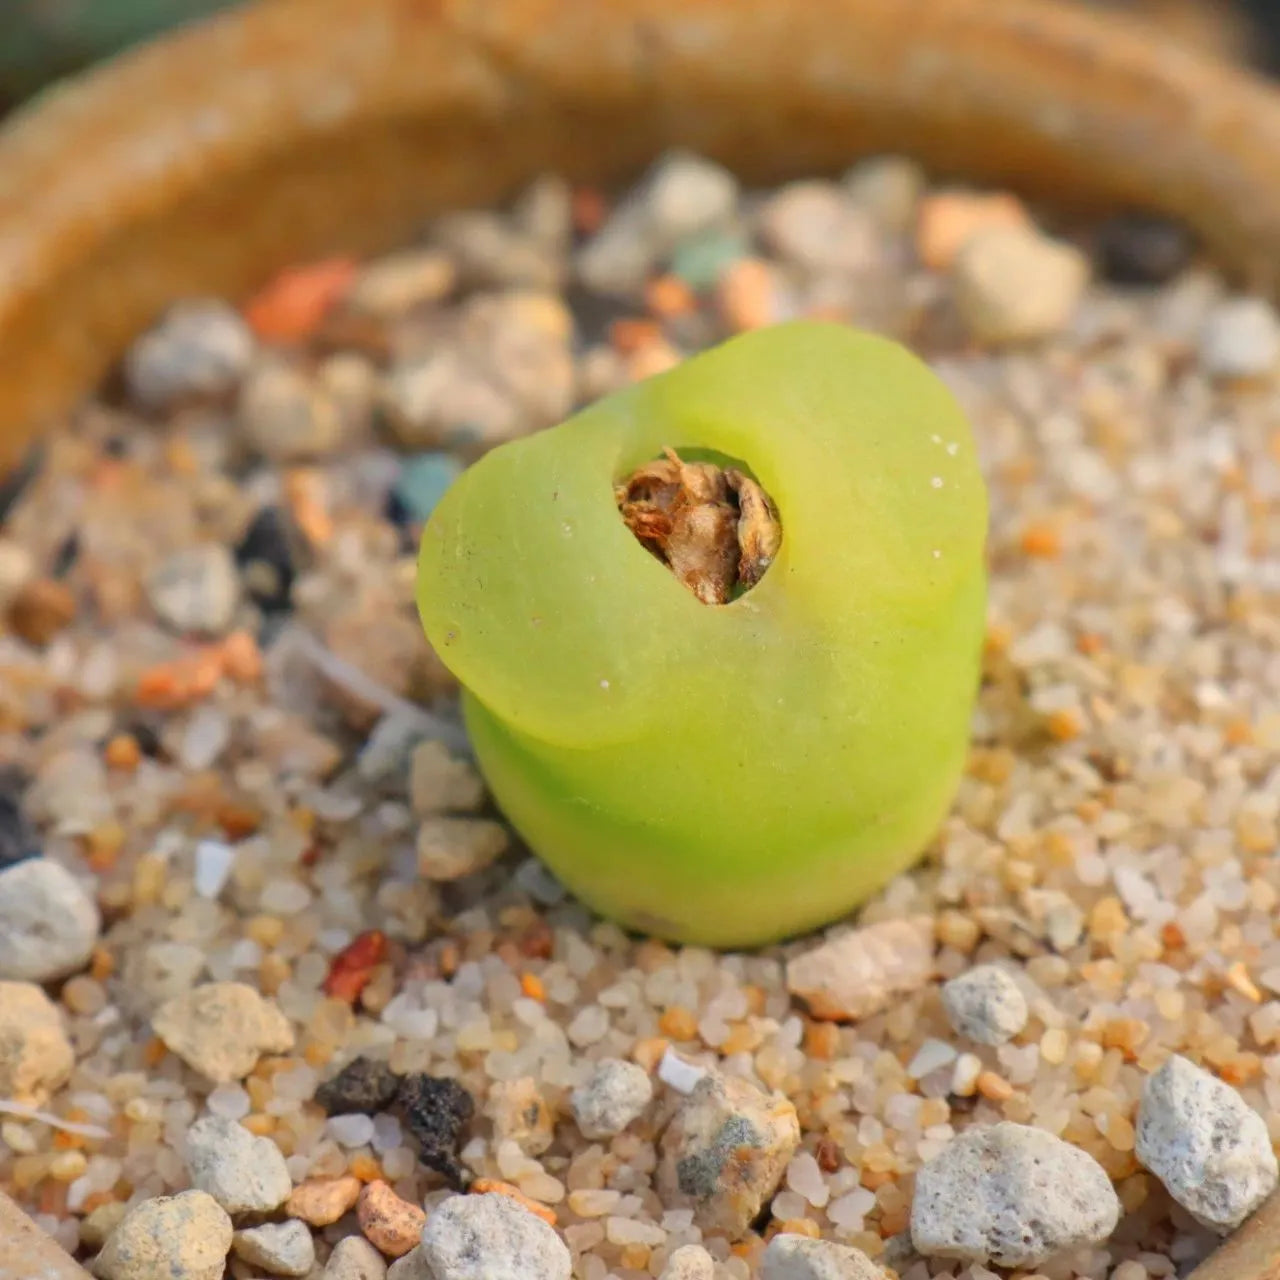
<point>291,129</point>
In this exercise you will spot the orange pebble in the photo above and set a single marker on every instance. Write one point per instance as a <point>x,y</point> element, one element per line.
<point>241,657</point>
<point>153,1052</point>
<point>746,295</point>
<point>669,296</point>
<point>305,492</point>
<point>493,1186</point>
<point>587,210</point>
<point>532,986</point>
<point>950,218</point>
<point>678,1023</point>
<point>122,752</point>
<point>1064,725</point>
<point>629,335</point>
<point>364,1167</point>
<point>1041,541</point>
<point>292,306</point>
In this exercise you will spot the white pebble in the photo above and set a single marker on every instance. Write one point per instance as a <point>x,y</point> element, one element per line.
<point>214,860</point>
<point>985,1004</point>
<point>229,1101</point>
<point>793,1257</point>
<point>1209,1148</point>
<point>353,1130</point>
<point>1240,339</point>
<point>612,1096</point>
<point>930,1057</point>
<point>689,1262</point>
<point>242,1172</point>
<point>805,1178</point>
<point>478,1237</point>
<point>354,1258</point>
<point>196,590</point>
<point>199,348</point>
<point>48,923</point>
<point>282,1248</point>
<point>678,1074</point>
<point>1012,1195</point>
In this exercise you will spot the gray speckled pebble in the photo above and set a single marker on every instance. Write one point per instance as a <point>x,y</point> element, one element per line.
<point>1013,1195</point>
<point>354,1258</point>
<point>182,1237</point>
<point>413,1266</point>
<point>491,1237</point>
<point>201,347</point>
<point>791,1257</point>
<point>1209,1148</point>
<point>242,1172</point>
<point>48,923</point>
<point>283,1248</point>
<point>611,1097</point>
<point>985,1005</point>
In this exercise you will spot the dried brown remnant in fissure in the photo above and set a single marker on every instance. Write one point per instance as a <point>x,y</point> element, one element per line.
<point>715,527</point>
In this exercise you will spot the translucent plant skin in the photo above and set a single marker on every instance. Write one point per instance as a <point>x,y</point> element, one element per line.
<point>725,775</point>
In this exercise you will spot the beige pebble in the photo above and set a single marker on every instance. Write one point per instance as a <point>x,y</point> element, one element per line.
<point>321,1201</point>
<point>99,1223</point>
<point>222,1028</point>
<point>402,281</point>
<point>391,1224</point>
<point>689,1262</point>
<point>35,1054</point>
<point>182,1237</point>
<point>1013,285</point>
<point>441,783</point>
<point>725,1152</point>
<point>860,973</point>
<point>520,1113</point>
<point>450,848</point>
<point>354,1258</point>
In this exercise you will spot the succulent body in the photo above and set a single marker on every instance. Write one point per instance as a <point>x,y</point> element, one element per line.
<point>725,774</point>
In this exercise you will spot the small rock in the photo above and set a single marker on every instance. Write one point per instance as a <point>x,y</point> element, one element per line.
<point>285,416</point>
<point>200,348</point>
<point>860,973</point>
<point>496,1187</point>
<point>196,590</point>
<point>725,1152</point>
<point>398,283</point>
<point>35,1054</point>
<point>266,557</point>
<point>684,195</point>
<point>48,923</point>
<point>365,1086</point>
<point>436,1112</point>
<point>701,260</point>
<point>283,1248</point>
<point>431,402</point>
<point>619,257</point>
<point>485,1236</point>
<point>813,225</point>
<point>222,1029</point>
<point>985,1004</point>
<point>1013,285</point>
<point>159,972</point>
<point>888,188</point>
<point>18,840</point>
<point>242,1172</point>
<point>678,1073</point>
<point>1240,339</point>
<point>389,1223</point>
<point>182,1237</point>
<point>1135,248</point>
<point>492,253</point>
<point>17,568</point>
<point>450,848</point>
<point>947,220</point>
<point>423,481</point>
<point>41,610</point>
<point>689,1262</point>
<point>793,1257</point>
<point>520,1114</point>
<point>612,1096</point>
<point>441,783</point>
<point>413,1266</point>
<point>352,383</point>
<point>99,1223</point>
<point>322,1201</point>
<point>1012,1195</point>
<point>544,212</point>
<point>1205,1143</point>
<point>354,1258</point>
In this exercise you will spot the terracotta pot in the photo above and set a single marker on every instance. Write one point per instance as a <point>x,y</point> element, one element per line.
<point>293,128</point>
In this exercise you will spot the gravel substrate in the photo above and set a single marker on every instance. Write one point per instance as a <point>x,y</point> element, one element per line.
<point>242,846</point>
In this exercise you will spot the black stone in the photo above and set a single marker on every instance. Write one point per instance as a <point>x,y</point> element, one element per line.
<point>267,550</point>
<point>1139,248</point>
<point>364,1085</point>
<point>436,1112</point>
<point>18,840</point>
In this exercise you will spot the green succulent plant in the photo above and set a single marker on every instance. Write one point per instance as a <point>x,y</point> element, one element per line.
<point>725,774</point>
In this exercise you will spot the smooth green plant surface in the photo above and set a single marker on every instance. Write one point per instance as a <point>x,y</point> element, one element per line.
<point>725,775</point>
